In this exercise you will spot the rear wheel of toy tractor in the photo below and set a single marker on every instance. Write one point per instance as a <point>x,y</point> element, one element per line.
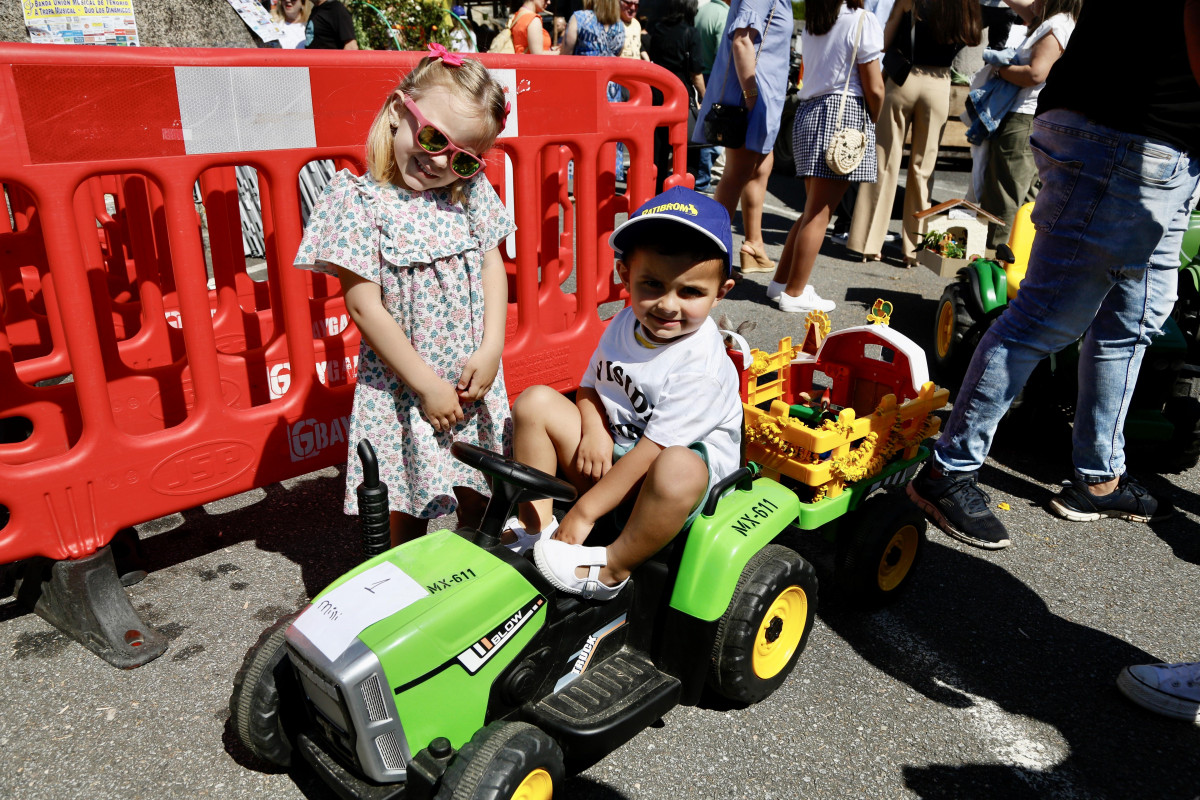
<point>877,556</point>
<point>766,626</point>
<point>504,760</point>
<point>254,707</point>
<point>951,335</point>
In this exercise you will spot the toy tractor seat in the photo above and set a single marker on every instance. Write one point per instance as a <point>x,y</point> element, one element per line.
<point>868,362</point>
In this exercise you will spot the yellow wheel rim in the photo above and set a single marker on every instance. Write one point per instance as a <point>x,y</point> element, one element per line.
<point>780,632</point>
<point>945,328</point>
<point>538,785</point>
<point>897,558</point>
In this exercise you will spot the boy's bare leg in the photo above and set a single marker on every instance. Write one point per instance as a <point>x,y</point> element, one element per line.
<point>546,433</point>
<point>672,487</point>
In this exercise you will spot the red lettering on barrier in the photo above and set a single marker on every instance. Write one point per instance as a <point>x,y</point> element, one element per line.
<point>203,467</point>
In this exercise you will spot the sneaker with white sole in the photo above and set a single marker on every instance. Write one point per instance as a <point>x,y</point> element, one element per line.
<point>1129,501</point>
<point>808,300</point>
<point>1172,690</point>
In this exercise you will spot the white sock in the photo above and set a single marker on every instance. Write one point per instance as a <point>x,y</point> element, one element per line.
<point>774,289</point>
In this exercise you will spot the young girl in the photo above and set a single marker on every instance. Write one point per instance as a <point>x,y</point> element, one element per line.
<point>842,43</point>
<point>414,243</point>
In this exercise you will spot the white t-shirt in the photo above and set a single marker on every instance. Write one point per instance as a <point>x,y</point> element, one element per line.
<point>293,35</point>
<point>827,57</point>
<point>1060,27</point>
<point>673,394</point>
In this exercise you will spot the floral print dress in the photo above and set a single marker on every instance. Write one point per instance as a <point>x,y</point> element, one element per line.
<point>426,252</point>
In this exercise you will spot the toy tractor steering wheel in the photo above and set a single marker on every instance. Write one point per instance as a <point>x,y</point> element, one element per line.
<point>533,483</point>
<point>512,483</point>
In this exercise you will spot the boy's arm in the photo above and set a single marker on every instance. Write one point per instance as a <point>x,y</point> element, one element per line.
<point>594,456</point>
<point>609,491</point>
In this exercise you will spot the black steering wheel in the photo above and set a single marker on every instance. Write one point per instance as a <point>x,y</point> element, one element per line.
<point>533,484</point>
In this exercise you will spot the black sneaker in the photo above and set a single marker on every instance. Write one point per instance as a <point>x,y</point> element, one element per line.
<point>959,507</point>
<point>1129,500</point>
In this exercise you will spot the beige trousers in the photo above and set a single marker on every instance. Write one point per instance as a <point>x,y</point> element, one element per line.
<point>921,104</point>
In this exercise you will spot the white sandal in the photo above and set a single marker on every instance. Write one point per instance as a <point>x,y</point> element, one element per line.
<point>557,561</point>
<point>524,539</point>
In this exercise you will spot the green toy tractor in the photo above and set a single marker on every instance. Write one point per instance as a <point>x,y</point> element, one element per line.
<point>449,667</point>
<point>1165,408</point>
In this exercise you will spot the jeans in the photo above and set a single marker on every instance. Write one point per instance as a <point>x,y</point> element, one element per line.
<point>1104,266</point>
<point>708,154</point>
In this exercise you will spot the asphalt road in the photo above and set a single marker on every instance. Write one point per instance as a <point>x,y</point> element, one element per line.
<point>992,677</point>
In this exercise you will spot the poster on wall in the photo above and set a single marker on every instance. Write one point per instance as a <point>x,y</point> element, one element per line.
<point>81,22</point>
<point>257,19</point>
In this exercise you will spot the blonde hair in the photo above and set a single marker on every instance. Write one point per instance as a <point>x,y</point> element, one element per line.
<point>305,10</point>
<point>468,81</point>
<point>608,12</point>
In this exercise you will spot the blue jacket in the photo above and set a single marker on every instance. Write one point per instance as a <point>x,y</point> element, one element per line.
<point>987,107</point>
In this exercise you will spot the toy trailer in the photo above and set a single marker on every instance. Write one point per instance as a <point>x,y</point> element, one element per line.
<point>835,446</point>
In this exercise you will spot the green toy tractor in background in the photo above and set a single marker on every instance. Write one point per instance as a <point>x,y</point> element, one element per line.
<point>1164,413</point>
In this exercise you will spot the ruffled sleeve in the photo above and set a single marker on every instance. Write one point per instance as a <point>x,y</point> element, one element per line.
<point>341,231</point>
<point>751,14</point>
<point>489,220</point>
<point>871,45</point>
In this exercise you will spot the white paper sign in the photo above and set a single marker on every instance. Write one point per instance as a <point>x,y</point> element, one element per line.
<point>334,621</point>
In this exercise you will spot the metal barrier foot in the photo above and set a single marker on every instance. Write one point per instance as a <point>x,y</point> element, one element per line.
<point>84,599</point>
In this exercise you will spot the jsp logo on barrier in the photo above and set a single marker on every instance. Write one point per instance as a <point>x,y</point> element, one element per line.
<point>330,373</point>
<point>308,437</point>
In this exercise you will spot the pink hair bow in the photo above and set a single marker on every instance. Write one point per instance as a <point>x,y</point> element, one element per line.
<point>449,59</point>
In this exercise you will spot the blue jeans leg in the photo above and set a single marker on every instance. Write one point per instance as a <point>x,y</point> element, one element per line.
<point>708,154</point>
<point>1109,221</point>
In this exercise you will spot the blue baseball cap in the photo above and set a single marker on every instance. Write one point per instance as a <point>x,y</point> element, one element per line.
<point>686,207</point>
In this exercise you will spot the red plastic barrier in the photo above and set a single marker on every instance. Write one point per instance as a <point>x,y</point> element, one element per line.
<point>128,388</point>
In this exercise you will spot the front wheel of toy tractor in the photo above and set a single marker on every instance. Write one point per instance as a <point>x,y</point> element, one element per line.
<point>255,707</point>
<point>764,630</point>
<point>505,760</point>
<point>878,554</point>
<point>952,335</point>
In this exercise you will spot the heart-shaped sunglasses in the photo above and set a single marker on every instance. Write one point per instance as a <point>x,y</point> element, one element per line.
<point>433,141</point>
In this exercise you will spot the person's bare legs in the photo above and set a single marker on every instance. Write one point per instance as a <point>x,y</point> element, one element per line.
<point>673,485</point>
<point>405,527</point>
<point>754,194</point>
<point>546,435</point>
<point>784,267</point>
<point>821,197</point>
<point>745,180</point>
<point>471,505</point>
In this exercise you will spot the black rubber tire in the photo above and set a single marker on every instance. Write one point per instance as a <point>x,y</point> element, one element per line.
<point>867,540</point>
<point>771,571</point>
<point>497,759</point>
<point>255,707</point>
<point>952,348</point>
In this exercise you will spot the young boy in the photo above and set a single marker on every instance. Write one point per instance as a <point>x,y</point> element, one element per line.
<point>657,419</point>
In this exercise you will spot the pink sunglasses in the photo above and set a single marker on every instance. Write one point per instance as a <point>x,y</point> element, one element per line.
<point>433,141</point>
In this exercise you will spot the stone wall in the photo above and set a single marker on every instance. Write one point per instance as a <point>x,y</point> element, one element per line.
<point>184,23</point>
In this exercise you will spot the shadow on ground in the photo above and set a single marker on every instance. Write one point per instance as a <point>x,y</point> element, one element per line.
<point>992,640</point>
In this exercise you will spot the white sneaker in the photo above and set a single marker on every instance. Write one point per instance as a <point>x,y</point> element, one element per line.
<point>1170,689</point>
<point>891,238</point>
<point>840,238</point>
<point>774,289</point>
<point>808,300</point>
